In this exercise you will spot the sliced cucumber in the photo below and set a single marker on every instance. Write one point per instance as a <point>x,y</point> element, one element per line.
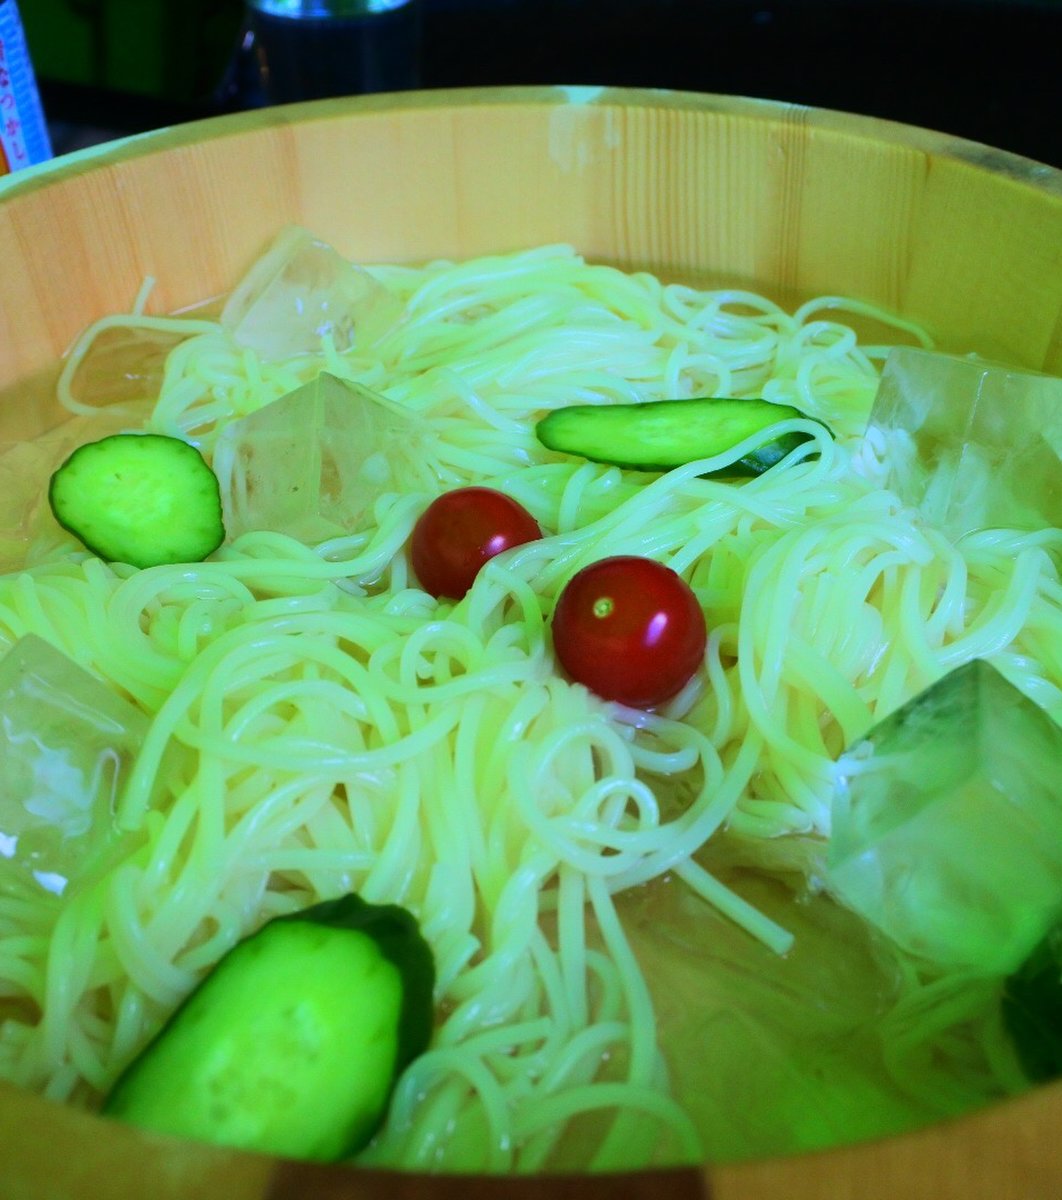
<point>662,434</point>
<point>142,499</point>
<point>293,1043</point>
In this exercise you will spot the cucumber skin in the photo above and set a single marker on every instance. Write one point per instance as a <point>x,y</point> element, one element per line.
<point>668,427</point>
<point>397,938</point>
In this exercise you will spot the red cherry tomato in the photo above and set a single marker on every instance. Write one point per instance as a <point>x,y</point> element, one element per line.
<point>459,531</point>
<point>630,629</point>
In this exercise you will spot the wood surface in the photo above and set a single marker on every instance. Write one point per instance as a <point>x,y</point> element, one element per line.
<point>966,239</point>
<point>962,238</point>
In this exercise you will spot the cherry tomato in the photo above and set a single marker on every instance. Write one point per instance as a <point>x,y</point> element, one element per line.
<point>630,629</point>
<point>459,531</point>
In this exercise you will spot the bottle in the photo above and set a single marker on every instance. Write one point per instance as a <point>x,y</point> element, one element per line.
<point>23,133</point>
<point>308,49</point>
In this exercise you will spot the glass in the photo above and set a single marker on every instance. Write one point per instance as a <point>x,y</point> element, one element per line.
<point>310,49</point>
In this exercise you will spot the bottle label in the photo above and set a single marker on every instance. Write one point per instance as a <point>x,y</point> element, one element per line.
<point>23,132</point>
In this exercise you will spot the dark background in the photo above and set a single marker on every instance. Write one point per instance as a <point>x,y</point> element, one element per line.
<point>990,70</point>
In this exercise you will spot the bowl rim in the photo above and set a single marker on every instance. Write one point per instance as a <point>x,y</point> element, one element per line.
<point>1022,170</point>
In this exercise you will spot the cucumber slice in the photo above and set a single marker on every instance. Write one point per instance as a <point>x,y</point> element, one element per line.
<point>142,499</point>
<point>293,1043</point>
<point>662,434</point>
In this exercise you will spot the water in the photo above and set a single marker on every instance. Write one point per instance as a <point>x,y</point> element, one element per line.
<point>801,1066</point>
<point>778,1055</point>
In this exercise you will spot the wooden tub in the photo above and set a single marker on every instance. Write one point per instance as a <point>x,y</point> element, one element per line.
<point>964,239</point>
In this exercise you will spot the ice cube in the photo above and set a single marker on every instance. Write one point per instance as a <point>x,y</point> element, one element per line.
<point>948,834</point>
<point>66,743</point>
<point>971,444</point>
<point>302,290</point>
<point>124,365</point>
<point>769,1054</point>
<point>313,462</point>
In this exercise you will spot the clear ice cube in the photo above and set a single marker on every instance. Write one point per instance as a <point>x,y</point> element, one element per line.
<point>971,444</point>
<point>313,462</point>
<point>124,365</point>
<point>66,743</point>
<point>947,827</point>
<point>302,290</point>
<point>769,1054</point>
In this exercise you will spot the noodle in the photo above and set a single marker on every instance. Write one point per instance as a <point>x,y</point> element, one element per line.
<point>320,725</point>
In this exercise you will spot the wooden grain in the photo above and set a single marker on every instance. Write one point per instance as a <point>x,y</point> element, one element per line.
<point>968,241</point>
<point>964,239</point>
<point>53,1152</point>
<point>1010,1152</point>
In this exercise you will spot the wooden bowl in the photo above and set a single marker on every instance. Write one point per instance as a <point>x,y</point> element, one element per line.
<point>964,239</point>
